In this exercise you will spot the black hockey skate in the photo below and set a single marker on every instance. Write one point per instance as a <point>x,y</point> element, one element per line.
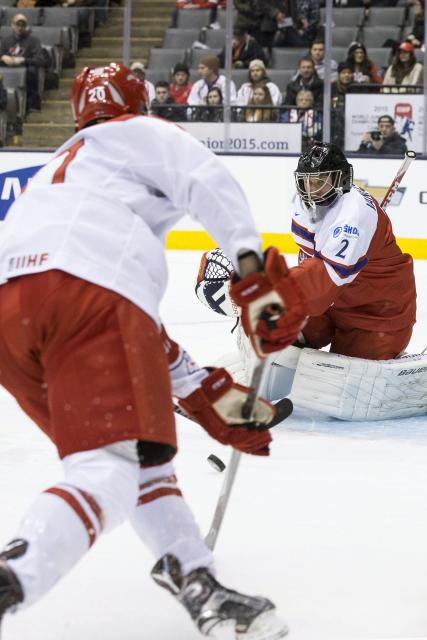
<point>219,612</point>
<point>11,593</point>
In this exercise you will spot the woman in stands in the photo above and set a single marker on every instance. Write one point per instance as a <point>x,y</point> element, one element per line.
<point>257,75</point>
<point>364,70</point>
<point>310,119</point>
<point>261,104</point>
<point>404,69</point>
<point>213,112</point>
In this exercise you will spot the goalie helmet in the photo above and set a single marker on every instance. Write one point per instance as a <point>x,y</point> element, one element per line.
<point>100,93</point>
<point>323,174</point>
<point>213,283</point>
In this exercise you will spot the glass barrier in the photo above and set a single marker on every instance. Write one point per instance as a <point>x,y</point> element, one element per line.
<point>326,75</point>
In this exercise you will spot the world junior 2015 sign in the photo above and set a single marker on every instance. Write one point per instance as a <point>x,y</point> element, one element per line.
<point>11,184</point>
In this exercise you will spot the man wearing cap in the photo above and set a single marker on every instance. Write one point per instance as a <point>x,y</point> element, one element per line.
<point>385,141</point>
<point>138,68</point>
<point>404,69</point>
<point>244,49</point>
<point>257,75</point>
<point>180,87</point>
<point>209,71</point>
<point>21,49</point>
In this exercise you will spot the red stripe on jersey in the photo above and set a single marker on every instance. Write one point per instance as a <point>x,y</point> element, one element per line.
<point>59,175</point>
<point>165,480</point>
<point>77,508</point>
<point>158,493</point>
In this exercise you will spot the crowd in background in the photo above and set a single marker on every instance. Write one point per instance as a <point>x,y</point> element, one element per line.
<point>260,26</point>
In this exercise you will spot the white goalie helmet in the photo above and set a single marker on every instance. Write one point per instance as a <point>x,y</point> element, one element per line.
<point>213,283</point>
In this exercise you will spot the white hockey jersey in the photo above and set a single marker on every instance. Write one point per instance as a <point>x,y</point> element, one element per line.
<point>357,267</point>
<point>101,208</point>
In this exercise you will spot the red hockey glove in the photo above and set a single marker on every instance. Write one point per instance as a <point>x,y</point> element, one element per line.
<point>273,306</point>
<point>217,406</point>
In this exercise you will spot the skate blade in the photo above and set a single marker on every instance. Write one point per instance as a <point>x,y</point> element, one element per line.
<point>223,631</point>
<point>266,626</point>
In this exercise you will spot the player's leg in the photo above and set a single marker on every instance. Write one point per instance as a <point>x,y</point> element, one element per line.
<point>91,349</point>
<point>371,345</point>
<point>165,523</point>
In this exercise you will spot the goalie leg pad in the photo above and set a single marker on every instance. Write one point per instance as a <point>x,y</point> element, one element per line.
<point>358,389</point>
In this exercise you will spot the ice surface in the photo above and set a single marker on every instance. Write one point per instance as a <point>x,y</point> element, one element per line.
<point>333,527</point>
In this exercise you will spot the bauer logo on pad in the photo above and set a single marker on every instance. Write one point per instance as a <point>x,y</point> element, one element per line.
<point>11,185</point>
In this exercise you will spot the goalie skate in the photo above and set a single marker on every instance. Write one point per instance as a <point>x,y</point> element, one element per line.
<point>219,612</point>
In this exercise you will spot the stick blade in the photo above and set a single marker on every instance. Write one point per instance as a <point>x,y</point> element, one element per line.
<point>284,409</point>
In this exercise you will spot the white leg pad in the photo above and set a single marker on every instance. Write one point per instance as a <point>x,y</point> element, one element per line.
<point>359,389</point>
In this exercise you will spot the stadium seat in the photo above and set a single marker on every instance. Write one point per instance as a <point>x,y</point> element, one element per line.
<point>63,17</point>
<point>339,54</point>
<point>286,58</point>
<point>345,17</point>
<point>344,36</point>
<point>386,17</point>
<point>55,40</point>
<point>33,15</point>
<point>381,57</point>
<point>214,38</point>
<point>221,18</point>
<point>180,38</point>
<point>281,77</point>
<point>195,19</point>
<point>15,82</point>
<point>376,37</point>
<point>165,58</point>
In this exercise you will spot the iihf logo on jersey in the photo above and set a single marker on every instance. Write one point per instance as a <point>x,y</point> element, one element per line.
<point>11,185</point>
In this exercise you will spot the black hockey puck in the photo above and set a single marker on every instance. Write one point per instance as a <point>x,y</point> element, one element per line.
<point>216,462</point>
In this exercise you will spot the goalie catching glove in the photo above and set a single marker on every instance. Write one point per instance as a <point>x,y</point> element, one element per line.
<point>272,303</point>
<point>217,406</point>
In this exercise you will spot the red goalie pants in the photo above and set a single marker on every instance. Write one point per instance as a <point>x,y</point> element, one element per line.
<point>87,365</point>
<point>357,343</point>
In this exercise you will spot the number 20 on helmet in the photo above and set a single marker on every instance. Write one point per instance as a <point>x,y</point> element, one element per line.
<point>100,93</point>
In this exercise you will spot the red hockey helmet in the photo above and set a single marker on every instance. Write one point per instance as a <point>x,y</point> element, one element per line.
<point>106,92</point>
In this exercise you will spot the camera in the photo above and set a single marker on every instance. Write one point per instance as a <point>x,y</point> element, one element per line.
<point>375,135</point>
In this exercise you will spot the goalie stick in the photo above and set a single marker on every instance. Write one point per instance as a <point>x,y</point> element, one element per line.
<point>409,157</point>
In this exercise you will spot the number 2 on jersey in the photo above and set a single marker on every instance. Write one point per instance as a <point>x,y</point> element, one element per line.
<point>341,253</point>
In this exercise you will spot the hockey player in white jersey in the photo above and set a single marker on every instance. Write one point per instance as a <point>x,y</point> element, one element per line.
<point>360,296</point>
<point>83,351</point>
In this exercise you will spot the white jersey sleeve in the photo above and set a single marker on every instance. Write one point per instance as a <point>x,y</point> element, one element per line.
<point>346,240</point>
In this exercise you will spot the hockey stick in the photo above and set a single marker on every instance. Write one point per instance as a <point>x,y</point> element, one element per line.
<point>409,157</point>
<point>284,409</point>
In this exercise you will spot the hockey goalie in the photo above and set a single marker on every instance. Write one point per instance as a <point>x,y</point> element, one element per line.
<point>360,297</point>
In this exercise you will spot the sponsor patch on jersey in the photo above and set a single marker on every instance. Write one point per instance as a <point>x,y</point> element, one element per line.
<point>337,231</point>
<point>351,231</point>
<point>11,185</point>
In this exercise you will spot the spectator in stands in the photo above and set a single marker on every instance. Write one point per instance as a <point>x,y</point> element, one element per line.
<point>180,87</point>
<point>257,75</point>
<point>213,111</point>
<point>404,69</point>
<point>385,141</point>
<point>21,49</point>
<point>306,78</point>
<point>260,104</point>
<point>269,11</point>
<point>317,54</point>
<point>248,17</point>
<point>298,24</point>
<point>416,37</point>
<point>163,104</point>
<point>209,71</point>
<point>339,89</point>
<point>310,119</point>
<point>244,49</point>
<point>138,68</point>
<point>364,70</point>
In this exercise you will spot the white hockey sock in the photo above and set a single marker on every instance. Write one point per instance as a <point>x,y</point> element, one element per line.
<point>165,523</point>
<point>99,491</point>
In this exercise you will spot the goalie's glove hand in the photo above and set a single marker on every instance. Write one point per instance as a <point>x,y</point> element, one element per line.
<point>217,406</point>
<point>273,306</point>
